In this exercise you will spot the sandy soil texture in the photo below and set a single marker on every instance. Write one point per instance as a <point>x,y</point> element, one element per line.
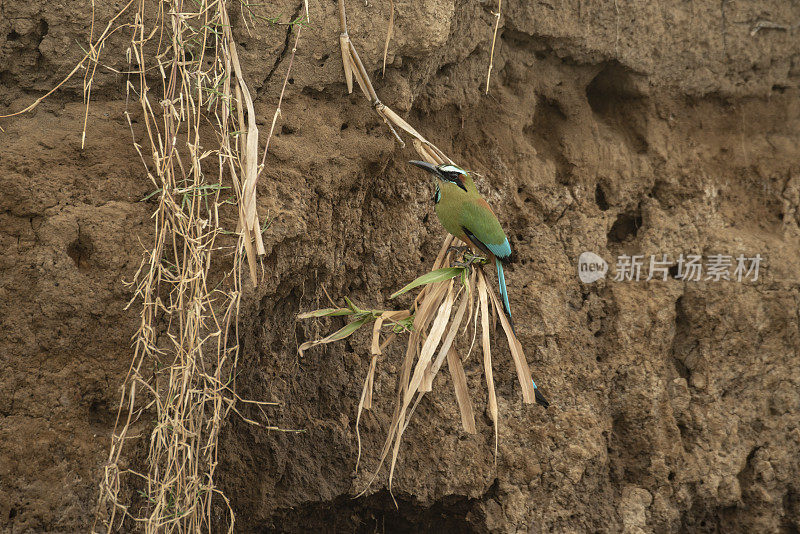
<point>617,127</point>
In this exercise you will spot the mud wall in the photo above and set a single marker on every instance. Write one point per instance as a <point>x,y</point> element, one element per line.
<point>613,127</point>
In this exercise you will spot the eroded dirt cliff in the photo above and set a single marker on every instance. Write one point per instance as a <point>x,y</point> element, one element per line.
<point>613,127</point>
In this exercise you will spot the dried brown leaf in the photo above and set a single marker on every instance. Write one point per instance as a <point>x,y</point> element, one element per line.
<point>520,362</point>
<point>487,356</point>
<point>462,393</point>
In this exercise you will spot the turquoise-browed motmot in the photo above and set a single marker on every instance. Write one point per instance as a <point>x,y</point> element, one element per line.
<point>469,217</point>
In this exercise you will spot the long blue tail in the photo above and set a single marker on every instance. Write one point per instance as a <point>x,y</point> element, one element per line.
<point>501,280</point>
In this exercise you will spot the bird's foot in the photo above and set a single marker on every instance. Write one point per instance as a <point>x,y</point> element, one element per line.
<point>458,250</point>
<point>468,259</point>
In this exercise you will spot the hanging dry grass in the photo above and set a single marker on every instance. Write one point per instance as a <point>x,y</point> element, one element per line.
<point>191,390</point>
<point>445,303</point>
<point>186,348</point>
<point>182,376</point>
<point>496,16</point>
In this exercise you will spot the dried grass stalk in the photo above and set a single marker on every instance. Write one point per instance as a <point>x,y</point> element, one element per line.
<point>487,357</point>
<point>462,393</point>
<point>494,41</point>
<point>184,377</point>
<point>389,33</point>
<point>520,362</point>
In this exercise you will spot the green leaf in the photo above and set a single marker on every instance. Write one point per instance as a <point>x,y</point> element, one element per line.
<point>148,197</point>
<point>438,275</point>
<point>325,312</point>
<point>404,325</point>
<point>348,329</point>
<point>352,306</point>
<point>336,336</point>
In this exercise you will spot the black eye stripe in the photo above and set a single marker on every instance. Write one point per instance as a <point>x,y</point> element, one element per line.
<point>457,180</point>
<point>454,175</point>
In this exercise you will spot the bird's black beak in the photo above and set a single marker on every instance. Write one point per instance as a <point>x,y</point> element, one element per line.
<point>427,166</point>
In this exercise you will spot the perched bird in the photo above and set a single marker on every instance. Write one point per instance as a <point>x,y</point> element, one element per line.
<point>469,217</point>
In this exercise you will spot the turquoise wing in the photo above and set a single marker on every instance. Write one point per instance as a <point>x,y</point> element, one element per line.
<point>478,221</point>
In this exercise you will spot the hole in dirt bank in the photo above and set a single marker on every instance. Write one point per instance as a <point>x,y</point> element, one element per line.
<point>81,250</point>
<point>377,513</point>
<point>625,227</point>
<point>630,447</point>
<point>12,36</point>
<point>617,100</point>
<point>546,135</point>
<point>682,343</point>
<point>600,198</point>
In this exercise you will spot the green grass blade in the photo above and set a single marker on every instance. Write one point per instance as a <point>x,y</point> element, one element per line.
<point>438,275</point>
<point>325,312</point>
<point>348,329</point>
<point>342,333</point>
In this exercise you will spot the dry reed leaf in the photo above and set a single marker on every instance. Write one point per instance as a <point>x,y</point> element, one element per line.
<point>248,218</point>
<point>428,348</point>
<point>250,164</point>
<point>430,152</point>
<point>462,393</point>
<point>356,69</point>
<point>487,356</point>
<point>375,349</point>
<point>426,386</point>
<point>439,262</point>
<point>431,342</point>
<point>395,118</point>
<point>520,362</point>
<point>471,287</point>
<point>366,395</point>
<point>344,43</point>
<point>426,153</point>
<point>434,295</point>
<point>494,313</point>
<point>389,33</point>
<point>365,402</point>
<point>494,40</point>
<point>451,335</point>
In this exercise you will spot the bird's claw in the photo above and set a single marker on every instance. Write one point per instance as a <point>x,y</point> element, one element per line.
<point>458,250</point>
<point>468,259</point>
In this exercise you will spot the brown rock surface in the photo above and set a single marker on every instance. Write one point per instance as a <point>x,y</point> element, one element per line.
<point>614,127</point>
